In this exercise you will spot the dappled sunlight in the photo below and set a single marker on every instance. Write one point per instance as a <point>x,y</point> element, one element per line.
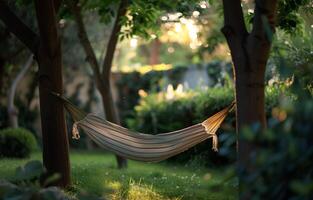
<point>185,31</point>
<point>134,191</point>
<point>114,185</point>
<point>144,69</point>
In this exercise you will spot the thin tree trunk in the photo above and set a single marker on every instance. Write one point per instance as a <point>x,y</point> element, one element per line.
<point>55,141</point>
<point>111,114</point>
<point>108,103</point>
<point>12,110</point>
<point>155,52</point>
<point>2,63</point>
<point>102,79</point>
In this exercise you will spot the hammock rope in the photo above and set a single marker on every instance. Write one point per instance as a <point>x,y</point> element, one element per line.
<point>139,146</point>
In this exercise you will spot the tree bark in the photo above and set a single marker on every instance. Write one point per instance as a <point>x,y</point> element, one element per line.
<point>249,52</point>
<point>111,114</point>
<point>2,63</point>
<point>49,56</point>
<point>12,110</point>
<point>155,52</point>
<point>102,79</point>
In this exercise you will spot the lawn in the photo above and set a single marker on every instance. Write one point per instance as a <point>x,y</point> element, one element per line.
<point>96,173</point>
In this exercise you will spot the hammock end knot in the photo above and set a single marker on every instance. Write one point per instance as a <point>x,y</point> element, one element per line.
<point>213,134</point>
<point>75,132</point>
<point>215,143</point>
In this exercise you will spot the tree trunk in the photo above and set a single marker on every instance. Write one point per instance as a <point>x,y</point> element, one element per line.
<point>107,98</point>
<point>155,52</point>
<point>250,52</point>
<point>103,78</point>
<point>2,63</point>
<point>12,110</point>
<point>111,114</point>
<point>55,141</point>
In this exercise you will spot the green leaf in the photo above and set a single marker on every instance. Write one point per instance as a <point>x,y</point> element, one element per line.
<point>31,170</point>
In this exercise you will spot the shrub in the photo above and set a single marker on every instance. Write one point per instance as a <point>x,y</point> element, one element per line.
<point>281,156</point>
<point>16,142</point>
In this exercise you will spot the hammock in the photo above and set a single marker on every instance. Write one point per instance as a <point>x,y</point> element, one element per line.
<point>144,147</point>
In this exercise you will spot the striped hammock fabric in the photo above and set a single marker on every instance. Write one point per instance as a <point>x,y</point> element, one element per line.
<point>144,147</point>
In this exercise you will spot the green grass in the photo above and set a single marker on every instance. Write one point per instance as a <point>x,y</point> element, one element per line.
<point>96,173</point>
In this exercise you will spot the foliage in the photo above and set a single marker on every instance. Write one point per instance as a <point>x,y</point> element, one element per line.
<point>95,173</point>
<point>12,191</point>
<point>144,16</point>
<point>289,18</point>
<point>16,142</point>
<point>294,57</point>
<point>28,183</point>
<point>282,159</point>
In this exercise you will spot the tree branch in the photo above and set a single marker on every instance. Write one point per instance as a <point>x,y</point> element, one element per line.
<point>12,111</point>
<point>233,18</point>
<point>235,33</point>
<point>84,40</point>
<point>110,50</point>
<point>264,18</point>
<point>57,5</point>
<point>260,38</point>
<point>18,28</point>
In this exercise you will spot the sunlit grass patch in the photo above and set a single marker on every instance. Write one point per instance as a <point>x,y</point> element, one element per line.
<point>96,173</point>
<point>135,191</point>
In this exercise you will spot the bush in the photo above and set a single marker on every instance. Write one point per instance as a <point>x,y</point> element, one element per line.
<point>16,142</point>
<point>282,155</point>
